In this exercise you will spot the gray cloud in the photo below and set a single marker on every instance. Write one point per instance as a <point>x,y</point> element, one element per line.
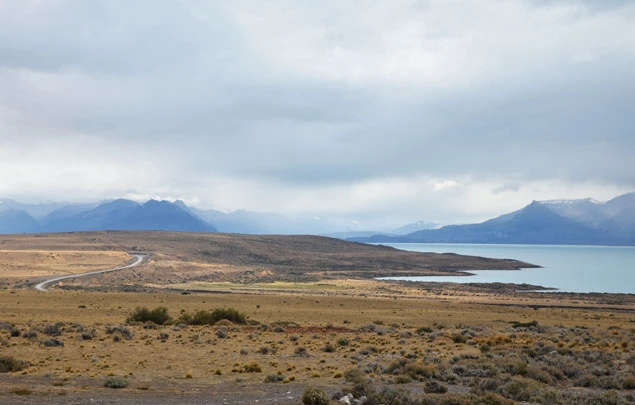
<point>236,104</point>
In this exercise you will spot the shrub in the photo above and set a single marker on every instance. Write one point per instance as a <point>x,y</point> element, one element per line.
<point>204,317</point>
<point>419,371</point>
<point>222,333</point>
<point>343,341</point>
<point>157,315</point>
<point>628,383</point>
<point>88,334</point>
<point>9,364</point>
<point>119,331</point>
<point>273,378</point>
<point>29,334</point>
<point>402,379</point>
<point>21,391</point>
<point>495,399</point>
<point>354,376</point>
<point>301,351</point>
<point>520,389</point>
<point>52,330</point>
<point>366,388</point>
<point>54,343</point>
<point>433,387</point>
<point>459,338</point>
<point>116,382</point>
<point>517,324</point>
<point>252,368</point>
<point>315,396</point>
<point>393,397</point>
<point>329,348</point>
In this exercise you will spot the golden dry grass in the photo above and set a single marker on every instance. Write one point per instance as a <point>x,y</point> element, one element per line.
<point>31,263</point>
<point>300,331</point>
<point>194,354</point>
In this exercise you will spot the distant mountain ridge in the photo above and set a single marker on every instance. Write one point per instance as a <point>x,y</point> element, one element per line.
<point>541,222</point>
<point>567,222</point>
<point>118,214</point>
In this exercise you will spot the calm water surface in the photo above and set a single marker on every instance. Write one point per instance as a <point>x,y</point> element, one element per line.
<point>607,269</point>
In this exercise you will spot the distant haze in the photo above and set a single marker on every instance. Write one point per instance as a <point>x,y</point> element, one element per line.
<point>380,113</point>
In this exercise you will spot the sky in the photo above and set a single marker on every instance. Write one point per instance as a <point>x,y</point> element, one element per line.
<point>379,113</point>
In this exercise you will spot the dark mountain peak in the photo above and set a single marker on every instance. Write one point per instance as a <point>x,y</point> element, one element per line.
<point>164,215</point>
<point>535,207</point>
<point>536,223</point>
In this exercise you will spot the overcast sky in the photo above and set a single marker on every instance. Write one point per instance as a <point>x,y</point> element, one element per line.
<point>381,112</point>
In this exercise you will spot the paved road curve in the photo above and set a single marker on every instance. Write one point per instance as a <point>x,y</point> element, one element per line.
<point>138,260</point>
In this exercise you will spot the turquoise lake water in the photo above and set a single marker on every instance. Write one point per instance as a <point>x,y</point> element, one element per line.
<point>605,269</point>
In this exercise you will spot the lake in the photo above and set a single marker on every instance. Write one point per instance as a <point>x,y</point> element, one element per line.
<point>605,269</point>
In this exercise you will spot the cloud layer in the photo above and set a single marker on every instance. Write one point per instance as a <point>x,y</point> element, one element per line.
<point>374,111</point>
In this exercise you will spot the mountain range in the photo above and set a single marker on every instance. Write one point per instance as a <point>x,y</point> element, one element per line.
<point>112,215</point>
<point>541,222</point>
<point>123,214</point>
<point>566,222</point>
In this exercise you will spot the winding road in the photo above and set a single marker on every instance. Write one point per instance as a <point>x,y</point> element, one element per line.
<point>139,258</point>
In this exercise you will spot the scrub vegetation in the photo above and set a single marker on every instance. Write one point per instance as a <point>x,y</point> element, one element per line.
<point>380,342</point>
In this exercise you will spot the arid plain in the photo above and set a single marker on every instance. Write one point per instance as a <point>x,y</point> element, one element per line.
<point>314,317</point>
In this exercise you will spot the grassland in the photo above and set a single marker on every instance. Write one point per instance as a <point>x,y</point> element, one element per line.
<point>336,330</point>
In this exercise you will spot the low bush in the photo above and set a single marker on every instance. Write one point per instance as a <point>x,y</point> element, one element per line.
<point>459,338</point>
<point>116,382</point>
<point>252,368</point>
<point>301,351</point>
<point>517,324</point>
<point>222,333</point>
<point>157,315</point>
<point>520,389</point>
<point>343,341</point>
<point>628,383</point>
<point>393,397</point>
<point>329,348</point>
<point>54,343</point>
<point>52,330</point>
<point>354,375</point>
<point>119,331</point>
<point>433,387</point>
<point>30,334</point>
<point>419,371</point>
<point>315,396</point>
<point>9,364</point>
<point>204,317</point>
<point>273,378</point>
